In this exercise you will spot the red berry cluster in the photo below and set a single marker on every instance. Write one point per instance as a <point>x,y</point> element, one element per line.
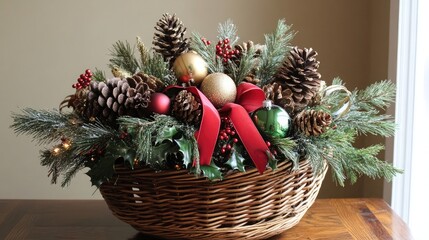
<point>83,80</point>
<point>205,41</point>
<point>225,51</point>
<point>228,135</point>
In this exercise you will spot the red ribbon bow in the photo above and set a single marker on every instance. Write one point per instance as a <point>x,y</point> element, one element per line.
<point>249,98</point>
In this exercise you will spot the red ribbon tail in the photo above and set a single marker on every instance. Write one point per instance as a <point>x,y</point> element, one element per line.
<point>249,135</point>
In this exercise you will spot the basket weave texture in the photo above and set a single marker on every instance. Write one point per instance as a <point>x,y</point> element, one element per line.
<point>177,205</point>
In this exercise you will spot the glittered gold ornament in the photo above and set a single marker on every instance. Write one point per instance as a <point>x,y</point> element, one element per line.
<point>190,67</point>
<point>219,88</point>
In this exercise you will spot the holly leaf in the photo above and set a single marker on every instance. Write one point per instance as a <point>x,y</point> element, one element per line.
<point>157,157</point>
<point>103,170</point>
<point>236,161</point>
<point>212,172</point>
<point>185,147</point>
<point>166,134</point>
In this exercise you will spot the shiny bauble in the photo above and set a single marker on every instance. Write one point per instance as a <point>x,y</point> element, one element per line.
<point>219,88</point>
<point>159,103</point>
<point>190,67</point>
<point>272,120</point>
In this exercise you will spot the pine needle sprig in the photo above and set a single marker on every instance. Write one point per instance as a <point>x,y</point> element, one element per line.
<point>377,95</point>
<point>286,147</point>
<point>43,126</point>
<point>247,63</point>
<point>99,75</point>
<point>72,171</point>
<point>207,52</point>
<point>93,134</point>
<point>346,161</point>
<point>156,66</point>
<point>274,52</point>
<point>228,30</point>
<point>369,122</point>
<point>63,162</point>
<point>123,57</point>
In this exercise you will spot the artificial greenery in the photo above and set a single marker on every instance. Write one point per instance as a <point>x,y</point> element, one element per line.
<point>276,48</point>
<point>162,142</point>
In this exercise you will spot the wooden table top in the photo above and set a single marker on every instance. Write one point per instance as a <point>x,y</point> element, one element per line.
<point>91,219</point>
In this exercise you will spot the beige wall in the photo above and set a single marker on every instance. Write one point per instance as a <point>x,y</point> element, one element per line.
<point>45,44</point>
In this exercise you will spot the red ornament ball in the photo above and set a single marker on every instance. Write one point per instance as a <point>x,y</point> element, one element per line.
<point>159,103</point>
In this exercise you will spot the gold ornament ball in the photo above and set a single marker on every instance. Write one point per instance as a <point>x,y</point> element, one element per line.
<point>190,66</point>
<point>219,88</point>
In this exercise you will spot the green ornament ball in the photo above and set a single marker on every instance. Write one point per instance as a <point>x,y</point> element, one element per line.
<point>272,120</point>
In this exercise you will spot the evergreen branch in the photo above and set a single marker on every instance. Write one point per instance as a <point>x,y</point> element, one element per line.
<point>228,30</point>
<point>99,75</point>
<point>43,126</point>
<point>93,134</point>
<point>207,52</point>
<point>60,162</point>
<point>147,133</point>
<point>156,66</point>
<point>123,57</point>
<point>365,161</point>
<point>72,171</point>
<point>377,95</point>
<point>247,63</point>
<point>368,123</point>
<point>274,52</point>
<point>286,147</point>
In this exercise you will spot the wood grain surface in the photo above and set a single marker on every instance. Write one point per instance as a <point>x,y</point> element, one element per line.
<point>91,219</point>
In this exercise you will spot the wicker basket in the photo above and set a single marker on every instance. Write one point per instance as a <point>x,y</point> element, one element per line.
<point>177,205</point>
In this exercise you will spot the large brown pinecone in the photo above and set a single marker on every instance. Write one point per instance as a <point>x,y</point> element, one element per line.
<point>299,74</point>
<point>117,97</point>
<point>187,108</point>
<point>311,122</point>
<point>169,40</point>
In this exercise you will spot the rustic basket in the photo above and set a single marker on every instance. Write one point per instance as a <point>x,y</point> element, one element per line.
<point>178,205</point>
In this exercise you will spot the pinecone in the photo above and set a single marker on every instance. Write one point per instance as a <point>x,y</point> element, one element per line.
<point>311,122</point>
<point>153,82</point>
<point>283,98</point>
<point>117,97</point>
<point>187,108</point>
<point>170,39</point>
<point>299,74</point>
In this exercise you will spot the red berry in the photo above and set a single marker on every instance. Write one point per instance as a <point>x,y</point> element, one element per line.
<point>219,43</point>
<point>232,133</point>
<point>74,85</point>
<point>185,78</point>
<point>268,144</point>
<point>228,147</point>
<point>237,51</point>
<point>208,42</point>
<point>235,140</point>
<point>223,150</point>
<point>226,41</point>
<point>88,71</point>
